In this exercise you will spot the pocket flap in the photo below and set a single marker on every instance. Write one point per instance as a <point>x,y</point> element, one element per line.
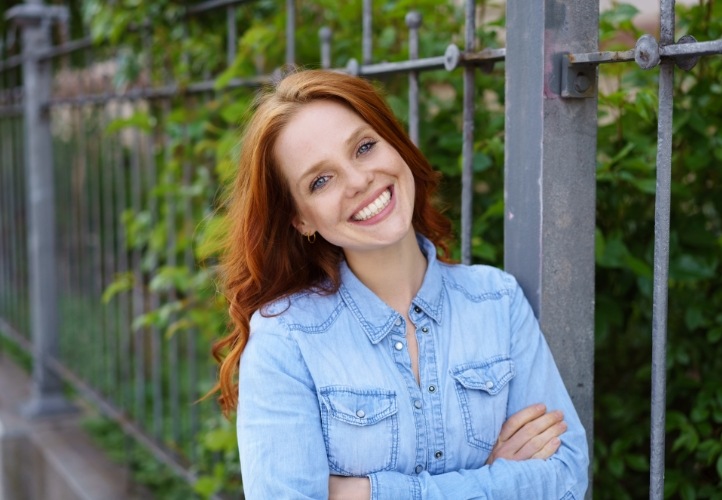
<point>490,376</point>
<point>359,406</point>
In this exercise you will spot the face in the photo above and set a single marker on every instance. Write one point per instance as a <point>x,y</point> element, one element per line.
<point>349,184</point>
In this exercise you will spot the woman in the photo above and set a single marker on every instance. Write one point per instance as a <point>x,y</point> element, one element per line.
<point>369,366</point>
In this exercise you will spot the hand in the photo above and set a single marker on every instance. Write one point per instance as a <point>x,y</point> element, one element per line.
<point>349,488</point>
<point>529,433</point>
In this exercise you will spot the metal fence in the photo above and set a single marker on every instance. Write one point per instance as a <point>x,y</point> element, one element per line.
<point>69,191</point>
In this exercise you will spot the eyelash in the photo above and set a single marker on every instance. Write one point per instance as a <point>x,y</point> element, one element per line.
<point>370,143</point>
<point>316,184</point>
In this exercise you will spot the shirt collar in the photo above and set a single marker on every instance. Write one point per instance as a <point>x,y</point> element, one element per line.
<point>375,317</point>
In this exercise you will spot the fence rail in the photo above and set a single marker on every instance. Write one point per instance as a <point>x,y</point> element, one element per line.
<point>81,182</point>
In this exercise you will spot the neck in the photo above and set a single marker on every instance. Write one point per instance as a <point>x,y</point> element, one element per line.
<point>394,274</point>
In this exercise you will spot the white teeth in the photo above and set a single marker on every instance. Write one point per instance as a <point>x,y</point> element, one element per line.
<point>374,207</point>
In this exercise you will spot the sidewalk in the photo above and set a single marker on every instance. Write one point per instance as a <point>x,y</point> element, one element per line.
<point>51,458</point>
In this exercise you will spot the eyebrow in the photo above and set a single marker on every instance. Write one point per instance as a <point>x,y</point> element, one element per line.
<point>319,165</point>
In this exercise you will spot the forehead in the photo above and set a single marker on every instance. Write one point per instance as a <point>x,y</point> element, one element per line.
<point>315,128</point>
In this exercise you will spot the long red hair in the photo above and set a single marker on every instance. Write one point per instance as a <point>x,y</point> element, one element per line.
<point>266,258</point>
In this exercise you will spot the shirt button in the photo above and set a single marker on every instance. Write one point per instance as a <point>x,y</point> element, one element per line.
<point>398,322</point>
<point>432,388</point>
<point>489,384</point>
<point>418,404</point>
<point>398,346</point>
<point>360,414</point>
<point>419,468</point>
<point>425,329</point>
<point>417,309</point>
<point>439,454</point>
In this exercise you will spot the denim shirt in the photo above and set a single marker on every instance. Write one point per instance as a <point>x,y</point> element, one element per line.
<point>326,387</point>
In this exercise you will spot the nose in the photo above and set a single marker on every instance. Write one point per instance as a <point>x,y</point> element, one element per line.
<point>357,179</point>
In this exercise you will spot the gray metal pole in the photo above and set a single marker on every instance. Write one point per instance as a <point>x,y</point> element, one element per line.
<point>47,397</point>
<point>413,21</point>
<point>366,16</point>
<point>467,153</point>
<point>290,32</point>
<point>661,256</point>
<point>325,35</point>
<point>550,183</point>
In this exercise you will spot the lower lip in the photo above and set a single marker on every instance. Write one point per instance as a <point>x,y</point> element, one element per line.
<point>381,215</point>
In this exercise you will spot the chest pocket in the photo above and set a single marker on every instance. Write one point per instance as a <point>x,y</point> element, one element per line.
<point>483,390</point>
<point>360,428</point>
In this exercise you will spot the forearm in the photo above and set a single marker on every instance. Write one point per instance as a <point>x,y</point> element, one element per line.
<point>505,479</point>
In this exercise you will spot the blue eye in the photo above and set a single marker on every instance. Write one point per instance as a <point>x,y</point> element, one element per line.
<point>319,182</point>
<point>365,148</point>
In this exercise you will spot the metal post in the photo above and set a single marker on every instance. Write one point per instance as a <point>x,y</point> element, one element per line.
<point>550,183</point>
<point>231,36</point>
<point>413,21</point>
<point>325,35</point>
<point>467,148</point>
<point>661,256</point>
<point>366,57</point>
<point>290,32</point>
<point>47,397</point>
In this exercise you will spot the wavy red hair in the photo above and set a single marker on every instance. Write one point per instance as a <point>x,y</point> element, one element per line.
<point>266,258</point>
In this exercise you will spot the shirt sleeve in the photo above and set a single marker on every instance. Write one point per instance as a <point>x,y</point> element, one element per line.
<point>281,445</point>
<point>537,379</point>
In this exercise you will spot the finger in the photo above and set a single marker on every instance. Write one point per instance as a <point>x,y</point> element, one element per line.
<point>549,449</point>
<point>539,442</point>
<point>534,428</point>
<point>519,419</point>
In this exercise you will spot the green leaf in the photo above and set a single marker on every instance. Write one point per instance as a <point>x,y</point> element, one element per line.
<point>122,283</point>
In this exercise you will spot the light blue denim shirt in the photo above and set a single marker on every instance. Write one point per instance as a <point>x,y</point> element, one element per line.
<point>326,387</point>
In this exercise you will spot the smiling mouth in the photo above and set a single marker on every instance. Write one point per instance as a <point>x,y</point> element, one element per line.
<point>374,207</point>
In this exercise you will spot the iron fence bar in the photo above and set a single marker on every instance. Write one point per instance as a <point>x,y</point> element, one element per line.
<point>108,257</point>
<point>154,303</point>
<point>452,59</point>
<point>172,262</point>
<point>80,259</point>
<point>601,57</point>
<point>10,332</point>
<point>65,220</point>
<point>661,255</point>
<point>98,332</point>
<point>214,4</point>
<point>467,148</point>
<point>413,21</point>
<point>124,305</point>
<point>163,92</point>
<point>11,62</point>
<point>290,32</point>
<point>324,34</point>
<point>366,32</point>
<point>7,217</point>
<point>191,347</point>
<point>232,35</point>
<point>138,296</point>
<point>691,49</point>
<point>665,51</point>
<point>189,261</point>
<point>66,48</point>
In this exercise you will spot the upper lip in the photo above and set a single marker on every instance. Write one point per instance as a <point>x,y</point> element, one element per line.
<point>367,201</point>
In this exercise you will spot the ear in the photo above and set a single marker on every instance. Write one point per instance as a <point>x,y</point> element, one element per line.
<point>301,225</point>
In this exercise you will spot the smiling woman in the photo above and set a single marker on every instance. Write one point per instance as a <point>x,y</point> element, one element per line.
<point>370,366</point>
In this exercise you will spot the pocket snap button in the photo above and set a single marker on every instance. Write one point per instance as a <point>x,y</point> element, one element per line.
<point>360,414</point>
